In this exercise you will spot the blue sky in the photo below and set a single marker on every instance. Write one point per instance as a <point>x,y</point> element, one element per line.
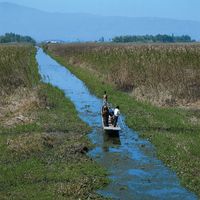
<point>176,9</point>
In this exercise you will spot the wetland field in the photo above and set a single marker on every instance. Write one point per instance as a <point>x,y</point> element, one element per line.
<point>157,87</point>
<point>43,142</point>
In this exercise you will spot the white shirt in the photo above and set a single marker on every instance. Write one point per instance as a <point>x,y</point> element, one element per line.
<point>116,112</point>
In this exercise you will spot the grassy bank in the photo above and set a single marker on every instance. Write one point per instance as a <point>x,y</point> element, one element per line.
<point>160,74</point>
<point>43,143</point>
<point>175,132</point>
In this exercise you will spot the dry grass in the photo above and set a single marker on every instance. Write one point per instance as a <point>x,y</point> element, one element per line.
<point>18,80</point>
<point>26,144</point>
<point>18,107</point>
<point>17,68</point>
<point>161,74</point>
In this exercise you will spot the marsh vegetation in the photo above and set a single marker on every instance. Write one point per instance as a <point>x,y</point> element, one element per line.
<point>43,143</point>
<point>137,76</point>
<point>165,75</point>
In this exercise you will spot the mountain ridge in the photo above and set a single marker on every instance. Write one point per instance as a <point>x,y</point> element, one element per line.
<point>43,25</point>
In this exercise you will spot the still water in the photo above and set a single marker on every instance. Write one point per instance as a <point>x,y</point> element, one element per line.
<point>134,170</point>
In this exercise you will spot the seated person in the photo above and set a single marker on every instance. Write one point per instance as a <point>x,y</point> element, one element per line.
<point>116,115</point>
<point>111,112</point>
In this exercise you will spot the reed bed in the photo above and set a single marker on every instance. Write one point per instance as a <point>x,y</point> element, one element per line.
<point>17,68</point>
<point>163,74</point>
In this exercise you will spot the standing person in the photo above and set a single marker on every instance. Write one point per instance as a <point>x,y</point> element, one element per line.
<point>116,115</point>
<point>105,98</point>
<point>105,115</point>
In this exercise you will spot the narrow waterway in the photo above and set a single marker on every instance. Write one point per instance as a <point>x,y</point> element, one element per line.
<point>135,172</point>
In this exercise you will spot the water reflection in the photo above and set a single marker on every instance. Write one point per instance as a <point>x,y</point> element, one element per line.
<point>110,141</point>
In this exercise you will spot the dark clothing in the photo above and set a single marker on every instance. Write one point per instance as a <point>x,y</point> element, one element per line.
<point>111,112</point>
<point>105,115</point>
<point>115,120</point>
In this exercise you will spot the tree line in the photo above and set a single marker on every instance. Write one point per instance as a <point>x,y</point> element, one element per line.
<point>152,38</point>
<point>13,38</point>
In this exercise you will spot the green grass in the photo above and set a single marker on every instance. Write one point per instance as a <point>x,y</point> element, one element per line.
<point>45,158</point>
<point>170,129</point>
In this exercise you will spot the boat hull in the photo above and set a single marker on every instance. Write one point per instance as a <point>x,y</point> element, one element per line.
<point>110,128</point>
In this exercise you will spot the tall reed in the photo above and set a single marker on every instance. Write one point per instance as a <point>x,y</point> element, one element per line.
<point>17,67</point>
<point>166,74</point>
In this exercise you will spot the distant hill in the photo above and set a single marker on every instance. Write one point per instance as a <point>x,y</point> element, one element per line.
<point>47,26</point>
